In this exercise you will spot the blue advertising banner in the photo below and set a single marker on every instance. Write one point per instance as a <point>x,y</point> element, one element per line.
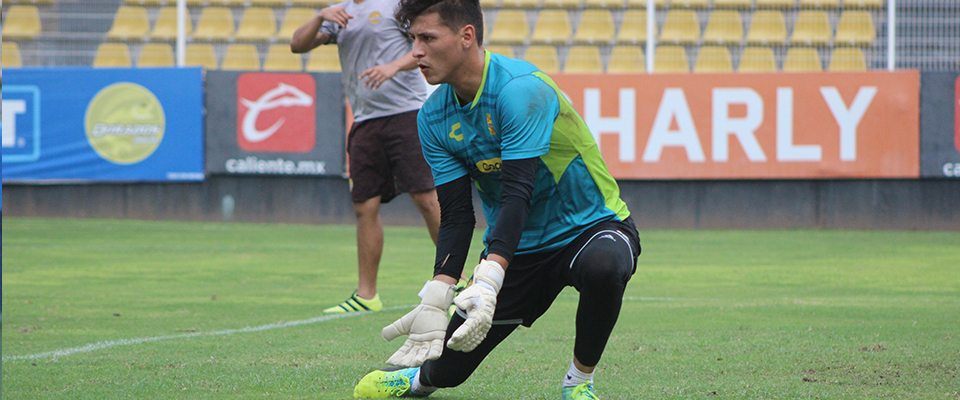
<point>85,124</point>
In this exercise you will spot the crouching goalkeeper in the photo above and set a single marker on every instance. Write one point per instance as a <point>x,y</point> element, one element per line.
<point>554,214</point>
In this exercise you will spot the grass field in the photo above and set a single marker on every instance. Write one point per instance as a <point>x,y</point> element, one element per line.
<point>104,309</point>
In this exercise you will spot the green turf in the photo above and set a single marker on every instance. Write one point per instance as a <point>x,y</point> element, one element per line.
<point>709,315</point>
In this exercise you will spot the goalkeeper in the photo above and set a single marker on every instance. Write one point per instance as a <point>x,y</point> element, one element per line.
<point>554,214</point>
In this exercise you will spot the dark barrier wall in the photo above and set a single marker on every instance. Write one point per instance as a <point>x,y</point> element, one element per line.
<point>939,125</point>
<point>748,204</point>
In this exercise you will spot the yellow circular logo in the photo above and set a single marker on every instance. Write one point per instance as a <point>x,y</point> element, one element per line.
<point>375,17</point>
<point>125,123</point>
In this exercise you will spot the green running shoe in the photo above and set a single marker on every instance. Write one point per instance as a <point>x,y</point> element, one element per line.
<point>583,391</point>
<point>387,383</point>
<point>355,304</point>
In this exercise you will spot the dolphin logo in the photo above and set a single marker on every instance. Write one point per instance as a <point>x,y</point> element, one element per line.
<point>282,96</point>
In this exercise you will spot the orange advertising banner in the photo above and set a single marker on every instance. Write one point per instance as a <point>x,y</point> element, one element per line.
<point>753,126</point>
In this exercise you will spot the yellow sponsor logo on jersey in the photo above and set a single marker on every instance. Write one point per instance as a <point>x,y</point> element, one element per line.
<point>491,165</point>
<point>375,17</point>
<point>453,131</point>
<point>490,125</point>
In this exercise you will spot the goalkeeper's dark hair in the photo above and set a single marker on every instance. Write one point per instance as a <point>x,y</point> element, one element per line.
<point>454,14</point>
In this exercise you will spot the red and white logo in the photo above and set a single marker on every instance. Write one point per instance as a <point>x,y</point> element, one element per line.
<point>275,112</point>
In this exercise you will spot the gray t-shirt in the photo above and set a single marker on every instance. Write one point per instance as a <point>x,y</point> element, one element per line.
<point>373,37</point>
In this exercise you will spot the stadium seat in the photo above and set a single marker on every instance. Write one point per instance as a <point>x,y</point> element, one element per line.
<point>862,3</point>
<point>670,59</point>
<point>266,3</point>
<point>522,4</point>
<point>22,22</point>
<point>642,4</point>
<point>596,27</point>
<point>583,60</point>
<point>681,27</point>
<point>112,55</point>
<point>757,59</point>
<point>510,27</point>
<point>767,27</point>
<point>713,59</point>
<point>242,57</point>
<point>723,4</point>
<point>802,59</point>
<point>626,60</point>
<point>314,4</point>
<point>148,3</point>
<point>324,58</point>
<point>543,57</point>
<point>11,55</point>
<point>156,55</point>
<point>633,29</point>
<point>553,27</point>
<point>258,24</point>
<point>724,27</point>
<point>201,54</point>
<point>689,3</point>
<point>280,58</point>
<point>489,4</point>
<point>501,49</point>
<point>812,28</point>
<point>609,4</point>
<point>165,28</point>
<point>294,18</point>
<point>847,59</point>
<point>825,4</point>
<point>130,23</point>
<point>563,4</point>
<point>765,4</point>
<point>215,25</point>
<point>855,29</point>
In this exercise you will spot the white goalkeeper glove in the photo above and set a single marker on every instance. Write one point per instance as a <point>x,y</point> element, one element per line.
<point>479,299</point>
<point>426,326</point>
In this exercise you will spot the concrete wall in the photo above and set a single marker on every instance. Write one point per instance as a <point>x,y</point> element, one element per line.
<point>753,204</point>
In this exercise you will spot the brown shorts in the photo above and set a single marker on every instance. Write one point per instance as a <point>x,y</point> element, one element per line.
<point>386,158</point>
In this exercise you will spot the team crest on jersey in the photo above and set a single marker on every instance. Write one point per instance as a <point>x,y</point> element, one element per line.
<point>453,132</point>
<point>375,17</point>
<point>491,165</point>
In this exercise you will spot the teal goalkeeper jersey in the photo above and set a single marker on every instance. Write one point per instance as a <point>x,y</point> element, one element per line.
<point>519,113</point>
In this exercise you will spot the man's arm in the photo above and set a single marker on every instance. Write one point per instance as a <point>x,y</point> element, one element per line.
<point>457,222</point>
<point>516,190</point>
<point>308,36</point>
<point>381,73</point>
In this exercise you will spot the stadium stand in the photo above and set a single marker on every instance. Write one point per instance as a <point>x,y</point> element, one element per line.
<point>824,4</point>
<point>112,55</point>
<point>241,57</point>
<point>489,4</point>
<point>596,27</point>
<point>607,4</point>
<point>11,55</point>
<point>564,4</point>
<point>724,27</point>
<point>325,58</point>
<point>553,27</point>
<point>768,27</point>
<point>862,3</point>
<point>316,4</point>
<point>802,59</point>
<point>722,4</point>
<point>713,59</point>
<point>155,55</point>
<point>847,59</point>
<point>757,59</point>
<point>583,60</point>
<point>215,25</point>
<point>501,49</point>
<point>812,28</point>
<point>130,24</point>
<point>643,4</point>
<point>21,22</point>
<point>258,24</point>
<point>280,58</point>
<point>510,27</point>
<point>670,59</point>
<point>681,27</point>
<point>165,27</point>
<point>633,29</point>
<point>543,57</point>
<point>855,29</point>
<point>689,3</point>
<point>521,4</point>
<point>201,54</point>
<point>763,4</point>
<point>626,60</point>
<point>35,2</point>
<point>293,19</point>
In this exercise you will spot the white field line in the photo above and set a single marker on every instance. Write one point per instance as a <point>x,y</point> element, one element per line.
<point>127,342</point>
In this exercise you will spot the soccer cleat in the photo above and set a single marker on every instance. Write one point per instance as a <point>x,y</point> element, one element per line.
<point>355,304</point>
<point>387,383</point>
<point>583,391</point>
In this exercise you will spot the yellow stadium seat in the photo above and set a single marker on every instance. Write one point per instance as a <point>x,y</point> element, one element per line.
<point>130,23</point>
<point>562,3</point>
<point>757,59</point>
<point>643,4</point>
<point>543,57</point>
<point>11,55</point>
<point>112,55</point>
<point>266,3</point>
<point>827,4</point>
<point>802,59</point>
<point>689,3</point>
<point>147,3</point>
<point>501,49</point>
<point>280,58</point>
<point>670,59</point>
<point>681,27</point>
<point>201,54</point>
<point>215,25</point>
<point>258,24</point>
<point>855,29</point>
<point>596,26</point>
<point>862,3</point>
<point>22,22</point>
<point>524,4</point>
<point>583,60</point>
<point>724,27</point>
<point>243,57</point>
<point>293,19</point>
<point>633,29</point>
<point>767,27</point>
<point>847,59</point>
<point>324,58</point>
<point>553,27</point>
<point>610,4</point>
<point>155,55</point>
<point>626,60</point>
<point>764,4</point>
<point>721,4</point>
<point>812,28</point>
<point>314,4</point>
<point>510,27</point>
<point>713,59</point>
<point>489,4</point>
<point>165,28</point>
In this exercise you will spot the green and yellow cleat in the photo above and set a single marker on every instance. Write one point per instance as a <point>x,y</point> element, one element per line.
<point>387,383</point>
<point>356,304</point>
<point>583,391</point>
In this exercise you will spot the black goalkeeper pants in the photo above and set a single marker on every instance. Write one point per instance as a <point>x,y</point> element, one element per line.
<point>598,263</point>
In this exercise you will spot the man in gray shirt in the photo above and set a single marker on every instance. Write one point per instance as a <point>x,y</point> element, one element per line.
<point>385,91</point>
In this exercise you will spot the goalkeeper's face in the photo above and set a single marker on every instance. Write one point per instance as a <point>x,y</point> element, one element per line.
<point>439,50</point>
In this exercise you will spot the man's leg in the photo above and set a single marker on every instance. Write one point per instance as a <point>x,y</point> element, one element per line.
<point>426,202</point>
<point>369,245</point>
